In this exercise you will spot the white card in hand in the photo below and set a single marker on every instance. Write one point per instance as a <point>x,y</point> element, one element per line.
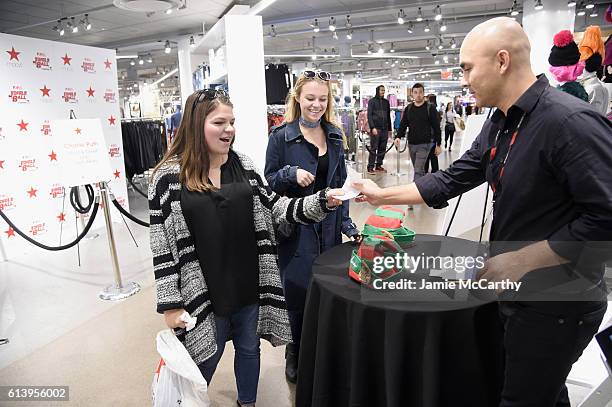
<point>349,191</point>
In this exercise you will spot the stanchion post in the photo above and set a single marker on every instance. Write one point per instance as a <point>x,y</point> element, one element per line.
<point>117,291</point>
<point>397,172</point>
<point>363,158</point>
<point>2,252</point>
<point>90,235</point>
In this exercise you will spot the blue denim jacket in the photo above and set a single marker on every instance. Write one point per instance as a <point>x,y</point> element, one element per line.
<point>287,151</point>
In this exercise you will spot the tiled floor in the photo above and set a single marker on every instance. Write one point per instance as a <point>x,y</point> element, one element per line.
<point>61,334</point>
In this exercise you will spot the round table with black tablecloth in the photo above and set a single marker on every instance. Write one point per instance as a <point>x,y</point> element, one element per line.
<point>368,348</point>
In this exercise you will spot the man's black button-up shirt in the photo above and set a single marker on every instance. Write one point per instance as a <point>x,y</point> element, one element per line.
<point>557,182</point>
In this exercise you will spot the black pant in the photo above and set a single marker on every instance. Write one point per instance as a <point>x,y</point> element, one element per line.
<point>542,340</point>
<point>434,160</point>
<point>449,132</point>
<point>378,148</point>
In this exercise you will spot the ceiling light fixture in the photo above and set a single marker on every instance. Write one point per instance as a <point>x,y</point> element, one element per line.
<point>590,5</point>
<point>370,48</point>
<point>191,42</point>
<point>358,63</point>
<point>140,61</point>
<point>581,10</point>
<point>539,6</point>
<point>169,11</point>
<point>315,26</point>
<point>401,17</point>
<point>150,59</point>
<point>349,35</point>
<point>335,35</point>
<point>272,32</point>
<point>332,24</point>
<point>348,24</point>
<point>381,49</point>
<point>438,13</point>
<point>453,44</point>
<point>571,3</point>
<point>132,62</point>
<point>392,48</point>
<point>427,28</point>
<point>167,48</point>
<point>85,22</point>
<point>419,15</point>
<point>428,46</point>
<point>410,28</point>
<point>593,13</point>
<point>442,26</point>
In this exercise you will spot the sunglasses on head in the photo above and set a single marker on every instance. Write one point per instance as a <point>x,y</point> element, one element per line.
<point>209,94</point>
<point>324,76</point>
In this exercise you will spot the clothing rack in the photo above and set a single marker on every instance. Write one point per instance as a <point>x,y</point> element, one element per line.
<point>144,144</point>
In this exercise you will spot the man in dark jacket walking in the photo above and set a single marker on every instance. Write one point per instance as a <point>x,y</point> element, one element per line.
<point>379,120</point>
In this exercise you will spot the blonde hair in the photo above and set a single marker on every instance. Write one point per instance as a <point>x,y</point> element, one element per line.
<point>293,110</point>
<point>189,148</point>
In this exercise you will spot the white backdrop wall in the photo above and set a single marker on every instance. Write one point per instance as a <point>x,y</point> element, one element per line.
<point>42,81</point>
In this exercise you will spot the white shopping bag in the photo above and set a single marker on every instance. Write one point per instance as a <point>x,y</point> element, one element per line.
<point>179,382</point>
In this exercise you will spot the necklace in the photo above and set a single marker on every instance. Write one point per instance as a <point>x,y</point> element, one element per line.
<point>309,124</point>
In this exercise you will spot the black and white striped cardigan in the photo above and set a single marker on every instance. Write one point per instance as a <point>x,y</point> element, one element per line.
<point>178,276</point>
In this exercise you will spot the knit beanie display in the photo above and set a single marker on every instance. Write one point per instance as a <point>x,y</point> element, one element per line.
<point>592,43</point>
<point>565,51</point>
<point>575,89</point>
<point>593,63</point>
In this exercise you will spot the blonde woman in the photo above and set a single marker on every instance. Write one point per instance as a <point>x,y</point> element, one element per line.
<point>213,243</point>
<point>306,155</point>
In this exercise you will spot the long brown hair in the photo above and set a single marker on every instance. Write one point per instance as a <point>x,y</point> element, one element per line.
<point>293,111</point>
<point>189,148</point>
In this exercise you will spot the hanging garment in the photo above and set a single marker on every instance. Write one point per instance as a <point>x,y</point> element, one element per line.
<point>142,145</point>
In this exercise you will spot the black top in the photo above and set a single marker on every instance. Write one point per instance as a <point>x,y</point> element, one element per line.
<point>557,182</point>
<point>321,176</point>
<point>423,124</point>
<point>221,223</point>
<point>379,113</point>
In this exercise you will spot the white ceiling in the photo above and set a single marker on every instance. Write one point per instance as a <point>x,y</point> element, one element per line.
<point>132,32</point>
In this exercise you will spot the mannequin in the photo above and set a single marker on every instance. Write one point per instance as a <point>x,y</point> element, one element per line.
<point>592,51</point>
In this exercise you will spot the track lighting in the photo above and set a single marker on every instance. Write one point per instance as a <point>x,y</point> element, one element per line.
<point>410,28</point>
<point>349,35</point>
<point>442,26</point>
<point>438,13</point>
<point>315,26</point>
<point>348,24</point>
<point>539,6</point>
<point>401,17</point>
<point>427,28</point>
<point>332,24</point>
<point>272,31</point>
<point>167,48</point>
<point>590,5</point>
<point>453,44</point>
<point>419,15</point>
<point>571,3</point>
<point>191,41</point>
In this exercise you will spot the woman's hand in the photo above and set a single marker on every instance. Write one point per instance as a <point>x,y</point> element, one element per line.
<point>357,238</point>
<point>173,318</point>
<point>304,178</point>
<point>331,195</point>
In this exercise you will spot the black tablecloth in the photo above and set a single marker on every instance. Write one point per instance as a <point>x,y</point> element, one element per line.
<point>358,350</point>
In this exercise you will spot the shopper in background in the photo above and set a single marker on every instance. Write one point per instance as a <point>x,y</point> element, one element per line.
<point>213,244</point>
<point>448,123</point>
<point>305,155</point>
<point>546,155</point>
<point>379,120</point>
<point>421,119</point>
<point>432,157</point>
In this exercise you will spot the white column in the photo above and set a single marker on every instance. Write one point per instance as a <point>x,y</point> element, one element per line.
<point>184,65</point>
<point>541,26</point>
<point>246,80</point>
<point>347,87</point>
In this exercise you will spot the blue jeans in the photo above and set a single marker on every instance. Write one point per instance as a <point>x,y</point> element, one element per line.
<point>242,328</point>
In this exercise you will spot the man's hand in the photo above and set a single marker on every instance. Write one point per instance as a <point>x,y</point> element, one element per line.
<point>172,317</point>
<point>397,142</point>
<point>370,192</point>
<point>374,132</point>
<point>511,266</point>
<point>438,150</point>
<point>332,201</point>
<point>304,178</point>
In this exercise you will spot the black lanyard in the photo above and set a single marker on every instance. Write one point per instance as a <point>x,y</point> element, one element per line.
<point>493,153</point>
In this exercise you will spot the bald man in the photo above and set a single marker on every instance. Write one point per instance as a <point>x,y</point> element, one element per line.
<point>546,157</point>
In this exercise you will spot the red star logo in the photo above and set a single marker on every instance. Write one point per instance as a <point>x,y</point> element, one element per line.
<point>14,54</point>
<point>66,59</point>
<point>77,130</point>
<point>45,91</point>
<point>53,156</point>
<point>61,217</point>
<point>2,164</point>
<point>111,120</point>
<point>32,192</point>
<point>107,63</point>
<point>10,232</point>
<point>117,173</point>
<point>23,126</point>
<point>90,92</point>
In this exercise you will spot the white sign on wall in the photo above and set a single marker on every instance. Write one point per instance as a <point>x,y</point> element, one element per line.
<point>42,81</point>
